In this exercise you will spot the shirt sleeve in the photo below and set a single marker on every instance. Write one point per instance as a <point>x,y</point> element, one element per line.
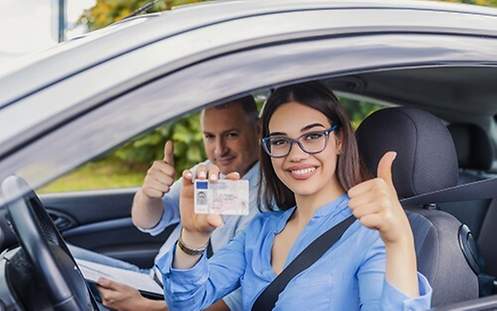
<point>207,281</point>
<point>386,297</point>
<point>170,210</point>
<point>234,300</point>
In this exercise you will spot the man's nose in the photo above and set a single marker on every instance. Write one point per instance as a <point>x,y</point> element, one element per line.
<point>220,147</point>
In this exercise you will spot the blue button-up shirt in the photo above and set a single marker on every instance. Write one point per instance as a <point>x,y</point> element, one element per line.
<point>233,224</point>
<point>349,276</point>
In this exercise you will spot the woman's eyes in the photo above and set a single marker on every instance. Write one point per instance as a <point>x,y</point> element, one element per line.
<point>278,141</point>
<point>313,136</point>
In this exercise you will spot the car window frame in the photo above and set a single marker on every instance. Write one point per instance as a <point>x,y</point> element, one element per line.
<point>215,80</point>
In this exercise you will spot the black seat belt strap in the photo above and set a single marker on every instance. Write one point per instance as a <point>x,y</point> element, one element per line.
<point>210,252</point>
<point>267,299</point>
<point>477,190</point>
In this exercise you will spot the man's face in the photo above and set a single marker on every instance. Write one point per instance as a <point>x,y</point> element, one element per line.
<point>230,138</point>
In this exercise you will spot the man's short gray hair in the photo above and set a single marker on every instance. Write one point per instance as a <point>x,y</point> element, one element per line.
<point>248,105</point>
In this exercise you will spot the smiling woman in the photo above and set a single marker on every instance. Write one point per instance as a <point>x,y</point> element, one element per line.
<point>313,192</point>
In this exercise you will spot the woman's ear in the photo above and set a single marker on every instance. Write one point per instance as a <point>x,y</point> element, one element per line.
<point>339,144</point>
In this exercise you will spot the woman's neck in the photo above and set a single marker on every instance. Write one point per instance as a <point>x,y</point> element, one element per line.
<point>307,205</point>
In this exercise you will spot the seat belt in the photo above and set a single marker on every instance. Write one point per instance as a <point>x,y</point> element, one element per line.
<point>481,189</point>
<point>477,190</point>
<point>267,299</point>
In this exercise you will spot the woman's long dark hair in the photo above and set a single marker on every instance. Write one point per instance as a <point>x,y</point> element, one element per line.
<point>350,170</point>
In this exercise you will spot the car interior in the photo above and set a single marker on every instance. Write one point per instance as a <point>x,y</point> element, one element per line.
<point>443,138</point>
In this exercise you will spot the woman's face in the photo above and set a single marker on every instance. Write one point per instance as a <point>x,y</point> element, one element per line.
<point>304,174</point>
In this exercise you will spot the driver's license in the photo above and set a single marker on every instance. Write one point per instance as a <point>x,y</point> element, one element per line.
<point>224,196</point>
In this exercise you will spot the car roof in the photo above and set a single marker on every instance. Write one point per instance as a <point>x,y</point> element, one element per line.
<point>72,57</point>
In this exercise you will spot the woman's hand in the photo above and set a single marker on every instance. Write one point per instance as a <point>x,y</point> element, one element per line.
<point>201,224</point>
<point>197,228</point>
<point>376,204</point>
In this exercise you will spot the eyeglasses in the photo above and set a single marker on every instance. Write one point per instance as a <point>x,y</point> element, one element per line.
<point>279,146</point>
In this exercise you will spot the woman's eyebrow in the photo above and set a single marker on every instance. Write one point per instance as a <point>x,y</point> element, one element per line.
<point>308,127</point>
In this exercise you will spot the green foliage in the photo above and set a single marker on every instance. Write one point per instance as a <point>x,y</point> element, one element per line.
<point>477,2</point>
<point>106,12</point>
<point>357,110</point>
<point>188,146</point>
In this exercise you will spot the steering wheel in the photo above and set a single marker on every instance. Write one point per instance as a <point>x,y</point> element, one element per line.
<point>47,252</point>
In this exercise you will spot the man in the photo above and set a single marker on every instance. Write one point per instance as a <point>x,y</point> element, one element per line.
<point>231,134</point>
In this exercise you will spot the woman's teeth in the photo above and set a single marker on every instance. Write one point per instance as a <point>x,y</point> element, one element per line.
<point>304,171</point>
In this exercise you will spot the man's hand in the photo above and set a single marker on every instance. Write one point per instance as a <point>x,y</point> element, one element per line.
<point>160,176</point>
<point>122,297</point>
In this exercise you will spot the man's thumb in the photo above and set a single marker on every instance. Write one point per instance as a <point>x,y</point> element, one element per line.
<point>384,170</point>
<point>169,153</point>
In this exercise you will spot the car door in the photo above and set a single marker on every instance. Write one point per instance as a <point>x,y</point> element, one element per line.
<point>100,221</point>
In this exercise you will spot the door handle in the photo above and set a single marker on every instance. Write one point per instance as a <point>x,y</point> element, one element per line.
<point>61,220</point>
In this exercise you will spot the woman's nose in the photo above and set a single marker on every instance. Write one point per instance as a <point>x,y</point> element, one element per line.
<point>296,153</point>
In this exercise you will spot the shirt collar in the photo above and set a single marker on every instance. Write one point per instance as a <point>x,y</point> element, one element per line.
<point>332,208</point>
<point>252,173</point>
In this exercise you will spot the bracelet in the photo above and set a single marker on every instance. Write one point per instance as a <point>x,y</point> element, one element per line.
<point>191,251</point>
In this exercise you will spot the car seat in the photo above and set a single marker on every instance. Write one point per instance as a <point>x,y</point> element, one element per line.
<point>426,161</point>
<point>475,156</point>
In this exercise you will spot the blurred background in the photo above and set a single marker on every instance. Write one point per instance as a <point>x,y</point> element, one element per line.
<point>29,26</point>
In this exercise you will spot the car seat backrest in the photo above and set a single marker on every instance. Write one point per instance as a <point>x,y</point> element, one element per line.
<point>426,161</point>
<point>487,239</point>
<point>475,155</point>
<point>473,146</point>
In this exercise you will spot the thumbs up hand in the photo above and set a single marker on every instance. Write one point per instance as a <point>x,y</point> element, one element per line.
<point>376,204</point>
<point>160,176</point>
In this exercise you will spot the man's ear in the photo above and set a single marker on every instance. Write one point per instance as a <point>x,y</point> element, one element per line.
<point>258,128</point>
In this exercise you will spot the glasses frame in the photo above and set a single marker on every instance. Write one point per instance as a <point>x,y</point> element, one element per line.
<point>292,141</point>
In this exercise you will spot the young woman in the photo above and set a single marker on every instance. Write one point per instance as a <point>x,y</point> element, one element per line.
<point>311,170</point>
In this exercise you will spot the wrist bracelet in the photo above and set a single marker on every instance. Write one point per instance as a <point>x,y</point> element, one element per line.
<point>191,251</point>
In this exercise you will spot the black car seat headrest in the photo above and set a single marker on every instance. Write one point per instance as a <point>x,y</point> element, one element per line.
<point>473,146</point>
<point>426,157</point>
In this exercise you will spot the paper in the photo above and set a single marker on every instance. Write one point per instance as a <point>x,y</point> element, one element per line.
<point>224,197</point>
<point>92,271</point>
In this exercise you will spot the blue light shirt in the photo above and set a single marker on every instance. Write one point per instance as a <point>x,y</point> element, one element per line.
<point>349,276</point>
<point>232,224</point>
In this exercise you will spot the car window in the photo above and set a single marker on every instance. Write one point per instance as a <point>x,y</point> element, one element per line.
<point>126,166</point>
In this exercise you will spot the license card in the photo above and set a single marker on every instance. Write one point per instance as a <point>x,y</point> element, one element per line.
<point>224,197</point>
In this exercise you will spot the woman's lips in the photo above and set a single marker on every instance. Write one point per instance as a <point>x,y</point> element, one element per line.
<point>302,173</point>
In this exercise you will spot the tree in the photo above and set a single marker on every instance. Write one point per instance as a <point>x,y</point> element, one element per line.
<point>106,12</point>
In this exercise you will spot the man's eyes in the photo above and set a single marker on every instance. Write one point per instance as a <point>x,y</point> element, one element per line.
<point>232,135</point>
